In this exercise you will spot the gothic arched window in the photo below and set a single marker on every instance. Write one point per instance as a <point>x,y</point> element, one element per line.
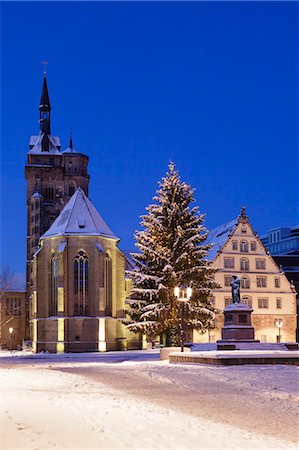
<point>81,284</point>
<point>53,286</point>
<point>108,284</point>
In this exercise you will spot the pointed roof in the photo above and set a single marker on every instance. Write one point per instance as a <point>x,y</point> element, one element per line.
<point>218,237</point>
<point>79,217</point>
<point>44,99</point>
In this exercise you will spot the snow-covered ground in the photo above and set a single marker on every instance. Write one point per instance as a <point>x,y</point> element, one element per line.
<point>131,400</point>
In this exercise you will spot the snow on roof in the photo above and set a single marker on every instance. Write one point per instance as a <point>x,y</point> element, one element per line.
<point>70,150</point>
<point>100,247</point>
<point>218,236</point>
<point>79,217</point>
<point>61,247</point>
<point>37,194</point>
<point>35,145</point>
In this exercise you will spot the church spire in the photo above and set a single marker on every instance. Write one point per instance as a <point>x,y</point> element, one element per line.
<point>45,108</point>
<point>71,140</point>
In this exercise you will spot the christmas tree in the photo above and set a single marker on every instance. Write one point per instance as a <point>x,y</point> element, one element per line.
<point>171,253</point>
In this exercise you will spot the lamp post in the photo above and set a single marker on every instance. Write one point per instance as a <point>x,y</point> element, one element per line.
<point>182,295</point>
<point>10,329</point>
<point>279,324</point>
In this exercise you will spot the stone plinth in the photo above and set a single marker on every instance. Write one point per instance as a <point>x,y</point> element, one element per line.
<point>164,352</point>
<point>237,324</point>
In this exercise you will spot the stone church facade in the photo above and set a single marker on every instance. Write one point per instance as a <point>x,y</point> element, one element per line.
<point>76,284</point>
<point>238,251</point>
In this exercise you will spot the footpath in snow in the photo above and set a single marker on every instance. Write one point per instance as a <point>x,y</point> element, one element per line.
<point>112,403</point>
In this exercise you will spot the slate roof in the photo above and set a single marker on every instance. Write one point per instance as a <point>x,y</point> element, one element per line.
<point>79,217</point>
<point>218,236</point>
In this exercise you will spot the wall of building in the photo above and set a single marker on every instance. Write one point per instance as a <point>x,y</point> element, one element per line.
<point>12,315</point>
<point>98,329</point>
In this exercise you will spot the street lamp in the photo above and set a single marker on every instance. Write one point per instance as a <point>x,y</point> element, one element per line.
<point>182,295</point>
<point>10,329</point>
<point>279,324</point>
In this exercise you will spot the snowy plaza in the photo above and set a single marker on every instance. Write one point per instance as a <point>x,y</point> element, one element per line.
<point>132,400</point>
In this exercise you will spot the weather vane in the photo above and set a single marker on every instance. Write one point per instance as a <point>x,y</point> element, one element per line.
<point>45,63</point>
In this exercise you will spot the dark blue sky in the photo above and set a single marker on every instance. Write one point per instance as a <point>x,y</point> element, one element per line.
<point>211,86</point>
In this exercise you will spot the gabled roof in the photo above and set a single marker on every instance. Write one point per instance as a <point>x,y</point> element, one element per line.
<point>35,145</point>
<point>218,236</point>
<point>79,217</point>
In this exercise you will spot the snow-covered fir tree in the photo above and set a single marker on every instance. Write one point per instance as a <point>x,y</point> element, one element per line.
<point>171,253</point>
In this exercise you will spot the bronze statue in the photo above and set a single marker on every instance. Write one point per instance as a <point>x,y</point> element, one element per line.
<point>235,284</point>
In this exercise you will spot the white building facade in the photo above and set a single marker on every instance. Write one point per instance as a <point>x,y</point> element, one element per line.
<point>238,251</point>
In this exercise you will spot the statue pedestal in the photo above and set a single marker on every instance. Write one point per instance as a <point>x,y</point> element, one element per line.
<point>237,324</point>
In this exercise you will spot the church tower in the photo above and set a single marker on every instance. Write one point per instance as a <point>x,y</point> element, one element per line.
<point>52,177</point>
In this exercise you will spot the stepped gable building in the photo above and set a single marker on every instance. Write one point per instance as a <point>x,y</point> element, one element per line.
<point>238,251</point>
<point>76,285</point>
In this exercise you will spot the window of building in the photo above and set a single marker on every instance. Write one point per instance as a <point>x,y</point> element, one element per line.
<point>263,303</point>
<point>227,301</point>
<point>49,193</point>
<point>108,284</point>
<point>235,245</point>
<point>277,282</point>
<point>263,338</point>
<point>229,263</point>
<point>278,302</point>
<point>260,264</point>
<point>54,286</point>
<point>244,246</point>
<point>13,306</point>
<point>247,301</point>
<point>227,280</point>
<point>244,264</point>
<point>81,284</point>
<point>261,281</point>
<point>245,283</point>
<point>243,230</point>
<point>253,246</point>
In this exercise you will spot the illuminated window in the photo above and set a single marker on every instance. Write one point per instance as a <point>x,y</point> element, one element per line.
<point>245,283</point>
<point>108,284</point>
<point>244,264</point>
<point>53,286</point>
<point>81,284</point>
<point>247,301</point>
<point>244,246</point>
